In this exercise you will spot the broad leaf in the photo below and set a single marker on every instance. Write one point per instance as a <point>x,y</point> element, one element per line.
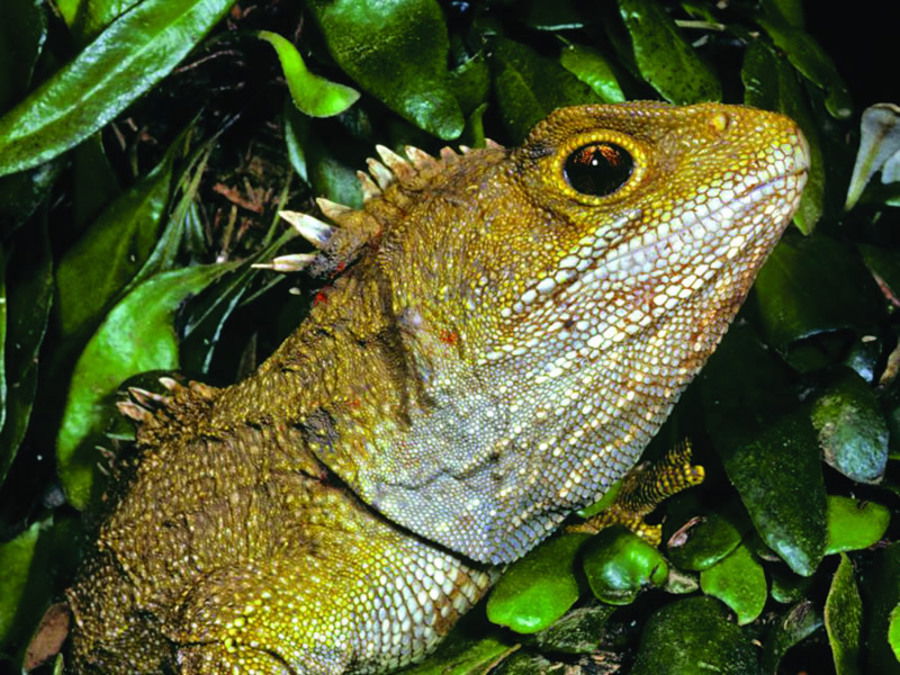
<point>129,57</point>
<point>136,336</point>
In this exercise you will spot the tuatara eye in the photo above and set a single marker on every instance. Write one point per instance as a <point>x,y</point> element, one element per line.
<point>598,169</point>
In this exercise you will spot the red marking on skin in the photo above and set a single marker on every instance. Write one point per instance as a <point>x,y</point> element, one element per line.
<point>354,403</point>
<point>320,297</point>
<point>448,337</point>
<point>340,267</point>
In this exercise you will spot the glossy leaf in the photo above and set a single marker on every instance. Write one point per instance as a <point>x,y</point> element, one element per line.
<point>705,542</point>
<point>814,285</point>
<point>852,431</point>
<point>619,564</point>
<point>94,182</point>
<point>580,631</point>
<point>88,18</point>
<point>113,249</point>
<point>15,560</point>
<point>664,58</point>
<point>470,82</point>
<point>770,84</point>
<point>854,525</point>
<point>843,618</point>
<point>313,95</point>
<point>538,589</point>
<point>808,58</point>
<point>458,655</point>
<point>882,595</point>
<point>128,58</point>
<point>529,86</point>
<point>769,453</point>
<point>4,390</point>
<point>737,580</point>
<point>398,51</point>
<point>589,66</point>
<point>779,479</point>
<point>894,632</point>
<point>28,299</point>
<point>33,563</point>
<point>136,336</point>
<point>23,30</point>
<point>884,264</point>
<point>798,623</point>
<point>693,631</point>
<point>22,193</point>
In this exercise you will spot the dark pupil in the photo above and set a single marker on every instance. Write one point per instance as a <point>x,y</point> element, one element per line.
<point>598,169</point>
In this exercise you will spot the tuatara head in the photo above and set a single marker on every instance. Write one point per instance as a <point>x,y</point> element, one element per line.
<point>553,302</point>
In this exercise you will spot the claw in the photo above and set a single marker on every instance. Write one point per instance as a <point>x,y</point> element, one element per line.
<point>133,411</point>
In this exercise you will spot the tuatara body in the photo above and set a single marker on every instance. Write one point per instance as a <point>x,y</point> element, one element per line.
<point>507,330</point>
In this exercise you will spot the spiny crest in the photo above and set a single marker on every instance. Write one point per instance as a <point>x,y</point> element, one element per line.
<point>340,242</point>
<point>158,411</point>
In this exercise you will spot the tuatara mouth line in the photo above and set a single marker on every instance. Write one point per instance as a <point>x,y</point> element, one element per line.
<point>741,203</point>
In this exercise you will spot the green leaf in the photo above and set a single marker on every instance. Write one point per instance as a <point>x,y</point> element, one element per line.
<point>95,183</point>
<point>693,636</point>
<point>128,58</point>
<point>460,655</point>
<point>769,83</point>
<point>23,30</point>
<point>528,86</point>
<point>618,565</point>
<point>894,632</point>
<point>35,563</point>
<point>704,543</point>
<point>22,193</point>
<point>664,58</point>
<point>814,285</point>
<point>852,431</point>
<point>739,581</point>
<point>113,249</point>
<point>88,18</point>
<point>296,130</point>
<point>28,299</point>
<point>843,618</point>
<point>397,50</point>
<point>770,456</point>
<point>766,471</point>
<point>471,82</point>
<point>3,331</point>
<point>580,631</point>
<point>883,264</point>
<point>15,560</point>
<point>137,335</point>
<point>539,588</point>
<point>589,66</point>
<point>799,622</point>
<point>882,595</point>
<point>313,95</point>
<point>854,525</point>
<point>805,54</point>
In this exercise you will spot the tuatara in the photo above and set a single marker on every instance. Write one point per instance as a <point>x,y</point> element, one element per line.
<point>506,331</point>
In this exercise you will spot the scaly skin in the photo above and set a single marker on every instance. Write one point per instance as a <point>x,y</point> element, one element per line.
<point>499,350</point>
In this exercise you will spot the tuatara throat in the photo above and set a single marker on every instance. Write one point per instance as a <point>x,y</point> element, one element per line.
<point>508,330</point>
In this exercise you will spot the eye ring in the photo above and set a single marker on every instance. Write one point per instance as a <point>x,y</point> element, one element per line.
<point>598,168</point>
